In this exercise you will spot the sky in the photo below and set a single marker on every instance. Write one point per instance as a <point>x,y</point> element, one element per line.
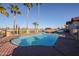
<point>51,15</point>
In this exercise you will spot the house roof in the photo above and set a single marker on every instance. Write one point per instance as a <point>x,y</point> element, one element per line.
<point>76,18</point>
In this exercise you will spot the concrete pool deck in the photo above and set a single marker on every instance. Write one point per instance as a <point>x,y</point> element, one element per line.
<point>6,48</point>
<point>67,46</point>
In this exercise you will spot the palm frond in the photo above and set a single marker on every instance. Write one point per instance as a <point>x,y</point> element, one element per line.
<point>25,4</point>
<point>5,13</point>
<point>19,12</point>
<point>2,8</point>
<point>35,23</point>
<point>8,8</point>
<point>14,8</point>
<point>11,11</point>
<point>29,5</point>
<point>11,5</point>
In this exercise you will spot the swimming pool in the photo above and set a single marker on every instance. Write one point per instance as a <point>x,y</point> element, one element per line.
<point>43,39</point>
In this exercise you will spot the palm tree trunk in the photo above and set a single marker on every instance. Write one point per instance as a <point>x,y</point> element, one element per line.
<point>27,30</point>
<point>38,11</point>
<point>14,26</point>
<point>38,17</point>
<point>36,28</point>
<point>27,18</point>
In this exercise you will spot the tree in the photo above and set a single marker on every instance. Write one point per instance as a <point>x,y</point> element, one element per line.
<point>38,5</point>
<point>36,22</point>
<point>15,10</point>
<point>28,7</point>
<point>35,26</point>
<point>3,11</point>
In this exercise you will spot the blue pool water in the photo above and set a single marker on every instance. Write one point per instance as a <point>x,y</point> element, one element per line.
<point>43,39</point>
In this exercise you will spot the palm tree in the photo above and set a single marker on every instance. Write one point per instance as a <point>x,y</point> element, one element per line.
<point>28,7</point>
<point>38,5</point>
<point>15,10</point>
<point>36,22</point>
<point>35,26</point>
<point>3,11</point>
